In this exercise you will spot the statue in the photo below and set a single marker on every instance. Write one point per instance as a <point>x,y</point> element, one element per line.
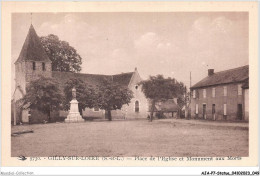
<point>74,115</point>
<point>74,93</point>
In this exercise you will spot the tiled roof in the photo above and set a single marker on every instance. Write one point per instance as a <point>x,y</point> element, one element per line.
<point>165,106</point>
<point>32,49</point>
<point>123,79</point>
<point>246,84</point>
<point>239,74</point>
<point>92,79</point>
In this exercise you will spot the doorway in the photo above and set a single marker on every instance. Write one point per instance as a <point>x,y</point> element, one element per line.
<point>239,112</point>
<point>213,111</point>
<point>204,111</point>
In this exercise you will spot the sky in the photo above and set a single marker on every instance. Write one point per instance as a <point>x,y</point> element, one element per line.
<point>172,44</point>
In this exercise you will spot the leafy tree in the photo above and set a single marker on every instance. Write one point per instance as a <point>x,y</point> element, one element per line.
<point>85,94</point>
<point>63,56</point>
<point>112,96</point>
<point>181,94</point>
<point>157,88</point>
<point>44,95</point>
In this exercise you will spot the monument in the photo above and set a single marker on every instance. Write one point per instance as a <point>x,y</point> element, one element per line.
<point>74,115</point>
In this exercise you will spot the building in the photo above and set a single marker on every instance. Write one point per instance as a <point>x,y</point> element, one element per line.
<point>166,109</point>
<point>222,95</point>
<point>34,62</point>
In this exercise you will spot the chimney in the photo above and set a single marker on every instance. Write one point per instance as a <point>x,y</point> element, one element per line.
<point>210,72</point>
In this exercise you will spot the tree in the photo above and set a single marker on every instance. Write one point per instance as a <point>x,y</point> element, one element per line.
<point>157,88</point>
<point>63,56</point>
<point>44,95</point>
<point>112,96</point>
<point>85,94</point>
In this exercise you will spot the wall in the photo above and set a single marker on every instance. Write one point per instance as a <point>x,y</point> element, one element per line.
<point>232,100</point>
<point>20,75</point>
<point>34,74</point>
<point>91,114</point>
<point>246,103</point>
<point>138,96</point>
<point>127,111</point>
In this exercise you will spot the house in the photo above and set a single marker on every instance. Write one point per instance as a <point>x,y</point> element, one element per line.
<point>34,62</point>
<point>167,109</point>
<point>222,95</point>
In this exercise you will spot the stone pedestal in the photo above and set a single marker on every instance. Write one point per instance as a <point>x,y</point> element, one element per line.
<point>74,115</point>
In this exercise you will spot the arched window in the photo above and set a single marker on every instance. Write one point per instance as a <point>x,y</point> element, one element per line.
<point>136,106</point>
<point>34,66</point>
<point>43,66</point>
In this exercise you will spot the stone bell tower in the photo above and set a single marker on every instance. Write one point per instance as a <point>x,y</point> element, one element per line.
<point>32,61</point>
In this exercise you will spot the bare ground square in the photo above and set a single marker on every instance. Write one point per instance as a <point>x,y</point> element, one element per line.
<point>169,137</point>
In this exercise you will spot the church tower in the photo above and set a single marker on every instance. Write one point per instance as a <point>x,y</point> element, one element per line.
<point>32,61</point>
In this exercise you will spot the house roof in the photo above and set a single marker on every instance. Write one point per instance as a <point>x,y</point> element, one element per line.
<point>32,49</point>
<point>166,106</point>
<point>169,106</point>
<point>246,84</point>
<point>92,79</point>
<point>239,74</point>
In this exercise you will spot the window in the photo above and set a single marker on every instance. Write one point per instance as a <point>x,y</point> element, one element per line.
<point>43,66</point>
<point>194,93</point>
<point>239,89</point>
<point>197,109</point>
<point>34,66</point>
<point>136,106</point>
<point>225,109</point>
<point>225,91</point>
<point>136,87</point>
<point>96,109</point>
<point>213,92</point>
<point>204,93</point>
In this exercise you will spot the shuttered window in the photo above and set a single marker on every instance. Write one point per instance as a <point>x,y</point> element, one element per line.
<point>213,92</point>
<point>197,109</point>
<point>194,93</point>
<point>239,89</point>
<point>225,109</point>
<point>204,93</point>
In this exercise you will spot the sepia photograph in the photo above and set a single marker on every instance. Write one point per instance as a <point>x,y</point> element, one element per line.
<point>88,86</point>
<point>127,84</point>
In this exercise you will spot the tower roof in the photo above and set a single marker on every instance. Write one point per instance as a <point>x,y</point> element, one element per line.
<point>32,49</point>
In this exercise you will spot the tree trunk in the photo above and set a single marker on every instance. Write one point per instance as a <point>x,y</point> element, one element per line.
<point>49,115</point>
<point>152,110</point>
<point>109,115</point>
<point>81,111</point>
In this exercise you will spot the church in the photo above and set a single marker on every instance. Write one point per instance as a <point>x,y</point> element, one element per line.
<point>34,62</point>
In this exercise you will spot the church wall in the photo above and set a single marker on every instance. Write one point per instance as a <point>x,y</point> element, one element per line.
<point>20,75</point>
<point>34,74</point>
<point>138,96</point>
